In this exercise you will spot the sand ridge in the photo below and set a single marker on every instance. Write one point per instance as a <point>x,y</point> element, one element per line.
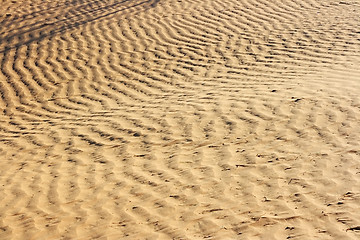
<point>179,119</point>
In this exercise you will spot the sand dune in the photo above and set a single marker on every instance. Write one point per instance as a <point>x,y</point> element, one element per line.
<point>179,119</point>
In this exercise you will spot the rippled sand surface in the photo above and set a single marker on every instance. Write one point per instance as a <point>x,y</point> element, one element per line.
<point>179,119</point>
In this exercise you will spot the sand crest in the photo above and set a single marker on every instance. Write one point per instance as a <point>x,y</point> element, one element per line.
<point>179,119</point>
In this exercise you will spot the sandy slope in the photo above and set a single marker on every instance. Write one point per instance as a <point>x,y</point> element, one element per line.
<point>179,119</point>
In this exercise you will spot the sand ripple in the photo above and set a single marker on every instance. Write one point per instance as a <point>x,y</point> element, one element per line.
<point>179,119</point>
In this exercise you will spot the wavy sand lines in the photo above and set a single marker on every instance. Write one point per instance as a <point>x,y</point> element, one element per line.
<point>179,119</point>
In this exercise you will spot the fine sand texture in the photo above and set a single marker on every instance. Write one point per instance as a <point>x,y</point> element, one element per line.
<point>179,119</point>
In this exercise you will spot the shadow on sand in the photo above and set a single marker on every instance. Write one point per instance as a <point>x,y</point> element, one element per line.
<point>28,28</point>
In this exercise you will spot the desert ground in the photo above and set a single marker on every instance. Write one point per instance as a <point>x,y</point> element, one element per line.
<point>179,119</point>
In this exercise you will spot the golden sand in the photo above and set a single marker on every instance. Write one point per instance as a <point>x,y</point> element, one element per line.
<point>179,119</point>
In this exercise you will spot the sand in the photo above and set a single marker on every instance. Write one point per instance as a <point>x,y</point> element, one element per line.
<point>180,119</point>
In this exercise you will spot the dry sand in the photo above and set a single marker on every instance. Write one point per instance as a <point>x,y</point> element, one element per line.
<point>179,119</point>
